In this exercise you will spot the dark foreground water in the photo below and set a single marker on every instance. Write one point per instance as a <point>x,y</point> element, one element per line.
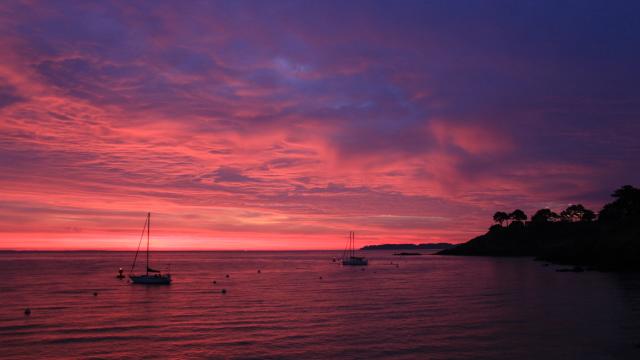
<point>304,306</point>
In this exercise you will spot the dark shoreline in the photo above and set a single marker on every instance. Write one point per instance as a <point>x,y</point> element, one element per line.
<point>610,242</point>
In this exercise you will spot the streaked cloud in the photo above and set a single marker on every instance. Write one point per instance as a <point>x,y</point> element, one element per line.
<point>285,124</point>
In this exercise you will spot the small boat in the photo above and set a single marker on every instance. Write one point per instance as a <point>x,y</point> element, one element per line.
<point>151,276</point>
<point>349,256</point>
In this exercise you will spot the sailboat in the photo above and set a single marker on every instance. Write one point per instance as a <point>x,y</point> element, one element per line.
<point>151,276</point>
<point>349,256</point>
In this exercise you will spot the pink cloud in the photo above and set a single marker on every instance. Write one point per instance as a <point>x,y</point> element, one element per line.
<point>238,130</point>
<point>474,139</point>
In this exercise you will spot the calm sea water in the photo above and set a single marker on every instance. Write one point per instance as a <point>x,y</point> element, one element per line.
<point>303,306</point>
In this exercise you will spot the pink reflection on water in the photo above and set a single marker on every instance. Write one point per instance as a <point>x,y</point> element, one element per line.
<point>302,305</point>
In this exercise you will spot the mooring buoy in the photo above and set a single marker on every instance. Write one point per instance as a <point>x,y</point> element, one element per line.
<point>27,311</point>
<point>224,291</point>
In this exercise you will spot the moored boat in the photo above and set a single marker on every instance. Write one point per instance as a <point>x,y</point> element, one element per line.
<point>349,257</point>
<point>151,276</point>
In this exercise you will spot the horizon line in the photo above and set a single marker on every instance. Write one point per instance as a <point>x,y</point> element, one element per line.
<point>177,250</point>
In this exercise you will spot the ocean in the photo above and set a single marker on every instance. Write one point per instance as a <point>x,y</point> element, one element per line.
<point>302,305</point>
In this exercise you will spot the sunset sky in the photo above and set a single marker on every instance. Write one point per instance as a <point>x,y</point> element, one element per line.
<point>285,125</point>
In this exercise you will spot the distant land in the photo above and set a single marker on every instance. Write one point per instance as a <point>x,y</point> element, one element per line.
<point>609,240</point>
<point>432,246</point>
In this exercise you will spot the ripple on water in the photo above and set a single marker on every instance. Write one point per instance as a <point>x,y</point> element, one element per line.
<point>434,307</point>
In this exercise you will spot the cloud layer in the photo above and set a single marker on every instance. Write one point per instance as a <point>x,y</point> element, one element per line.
<point>287,124</point>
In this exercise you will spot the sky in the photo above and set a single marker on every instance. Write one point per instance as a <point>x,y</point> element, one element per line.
<point>286,124</point>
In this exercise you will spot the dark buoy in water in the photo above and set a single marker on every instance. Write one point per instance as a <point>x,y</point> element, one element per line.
<point>227,275</point>
<point>120,274</point>
<point>215,282</point>
<point>259,271</point>
<point>224,291</point>
<point>27,311</point>
<point>95,294</point>
<point>320,278</point>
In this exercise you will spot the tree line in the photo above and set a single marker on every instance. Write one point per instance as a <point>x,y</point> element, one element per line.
<point>607,240</point>
<point>624,209</point>
<point>572,213</point>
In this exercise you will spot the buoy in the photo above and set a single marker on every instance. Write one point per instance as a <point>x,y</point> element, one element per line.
<point>215,282</point>
<point>320,277</point>
<point>259,271</point>
<point>27,311</point>
<point>227,275</point>
<point>120,274</point>
<point>95,294</point>
<point>224,291</point>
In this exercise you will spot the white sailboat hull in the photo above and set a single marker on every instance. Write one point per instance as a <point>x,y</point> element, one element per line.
<point>151,279</point>
<point>355,261</point>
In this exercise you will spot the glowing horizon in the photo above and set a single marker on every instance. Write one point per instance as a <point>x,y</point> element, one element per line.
<point>248,125</point>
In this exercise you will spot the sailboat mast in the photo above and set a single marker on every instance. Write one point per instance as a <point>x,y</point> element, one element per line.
<point>353,244</point>
<point>148,231</point>
<point>350,243</point>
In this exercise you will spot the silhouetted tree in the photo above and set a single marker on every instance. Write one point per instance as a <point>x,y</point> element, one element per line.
<point>500,217</point>
<point>608,241</point>
<point>625,207</point>
<point>588,215</point>
<point>577,213</point>
<point>544,215</point>
<point>518,215</point>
